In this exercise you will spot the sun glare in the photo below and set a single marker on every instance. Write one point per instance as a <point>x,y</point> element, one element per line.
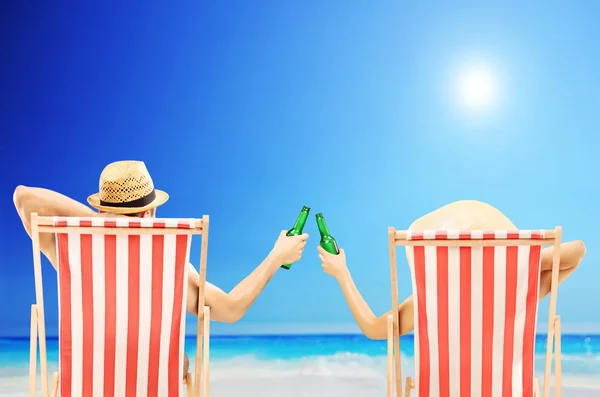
<point>477,87</point>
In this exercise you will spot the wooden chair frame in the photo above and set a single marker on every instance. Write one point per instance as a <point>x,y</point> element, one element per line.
<point>400,238</point>
<point>41,224</point>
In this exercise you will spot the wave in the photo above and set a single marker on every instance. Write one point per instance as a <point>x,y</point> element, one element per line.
<point>339,365</point>
<point>356,365</point>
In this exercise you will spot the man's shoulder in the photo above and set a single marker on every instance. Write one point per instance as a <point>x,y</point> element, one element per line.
<point>192,268</point>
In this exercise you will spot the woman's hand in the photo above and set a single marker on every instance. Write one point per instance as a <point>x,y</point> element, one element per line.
<point>334,265</point>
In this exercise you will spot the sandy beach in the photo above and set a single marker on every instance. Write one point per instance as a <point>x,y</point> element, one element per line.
<point>303,386</point>
<point>330,387</point>
<point>308,366</point>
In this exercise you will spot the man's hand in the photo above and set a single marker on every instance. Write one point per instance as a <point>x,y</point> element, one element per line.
<point>334,265</point>
<point>288,249</point>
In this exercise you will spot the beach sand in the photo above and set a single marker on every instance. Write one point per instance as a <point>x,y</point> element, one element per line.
<point>343,375</point>
<point>315,386</point>
<point>299,386</point>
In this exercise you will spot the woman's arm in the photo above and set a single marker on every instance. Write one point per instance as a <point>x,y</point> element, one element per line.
<point>376,327</point>
<point>571,254</point>
<point>372,326</point>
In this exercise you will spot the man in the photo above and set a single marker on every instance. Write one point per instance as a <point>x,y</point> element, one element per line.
<point>460,215</point>
<point>126,189</point>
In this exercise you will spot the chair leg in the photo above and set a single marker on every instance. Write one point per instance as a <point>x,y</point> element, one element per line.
<point>189,385</point>
<point>390,355</point>
<point>536,388</point>
<point>557,359</point>
<point>206,352</point>
<point>33,351</point>
<point>410,384</point>
<point>556,339</point>
<point>54,385</point>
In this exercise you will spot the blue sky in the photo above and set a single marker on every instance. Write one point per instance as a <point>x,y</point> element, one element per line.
<point>247,111</point>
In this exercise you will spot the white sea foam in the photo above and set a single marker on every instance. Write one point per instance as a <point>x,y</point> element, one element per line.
<point>342,374</point>
<point>340,365</point>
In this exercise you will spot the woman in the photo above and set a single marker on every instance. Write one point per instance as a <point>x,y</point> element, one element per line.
<point>460,215</point>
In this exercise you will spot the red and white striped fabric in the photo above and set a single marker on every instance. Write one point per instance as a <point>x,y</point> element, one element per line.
<point>157,223</point>
<point>476,314</point>
<point>122,302</point>
<point>475,235</point>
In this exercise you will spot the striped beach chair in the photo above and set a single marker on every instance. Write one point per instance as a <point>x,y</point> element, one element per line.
<point>122,288</point>
<point>475,302</point>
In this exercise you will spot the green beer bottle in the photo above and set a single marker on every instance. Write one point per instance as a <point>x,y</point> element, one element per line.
<point>297,229</point>
<point>327,241</point>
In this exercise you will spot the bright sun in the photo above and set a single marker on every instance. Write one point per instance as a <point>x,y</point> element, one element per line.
<point>477,88</point>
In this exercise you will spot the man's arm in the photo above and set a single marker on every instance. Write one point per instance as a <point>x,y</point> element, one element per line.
<point>230,307</point>
<point>46,202</point>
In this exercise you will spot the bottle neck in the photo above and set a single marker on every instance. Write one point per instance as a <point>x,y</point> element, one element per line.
<point>301,221</point>
<point>322,226</point>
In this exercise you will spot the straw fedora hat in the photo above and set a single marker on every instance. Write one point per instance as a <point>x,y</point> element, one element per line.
<point>462,215</point>
<point>126,188</point>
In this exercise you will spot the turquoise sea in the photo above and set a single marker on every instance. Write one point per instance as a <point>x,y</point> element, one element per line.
<point>246,360</point>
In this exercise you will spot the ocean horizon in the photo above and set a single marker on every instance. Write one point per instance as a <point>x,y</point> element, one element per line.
<point>258,328</point>
<point>333,361</point>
